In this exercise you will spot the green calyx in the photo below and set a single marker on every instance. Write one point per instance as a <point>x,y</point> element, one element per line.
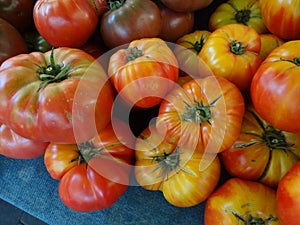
<point>295,60</point>
<point>52,72</point>
<point>243,16</point>
<point>133,53</point>
<point>250,220</point>
<point>237,47</point>
<point>198,45</point>
<point>113,5</point>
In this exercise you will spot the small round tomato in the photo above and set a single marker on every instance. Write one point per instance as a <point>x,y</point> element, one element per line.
<point>240,201</point>
<point>232,52</point>
<point>185,176</point>
<point>274,88</point>
<point>65,23</point>
<point>288,201</point>
<point>268,43</point>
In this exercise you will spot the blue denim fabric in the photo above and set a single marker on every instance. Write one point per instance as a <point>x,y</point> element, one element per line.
<point>27,185</point>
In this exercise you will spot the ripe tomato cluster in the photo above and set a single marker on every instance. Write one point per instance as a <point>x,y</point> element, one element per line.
<point>108,89</point>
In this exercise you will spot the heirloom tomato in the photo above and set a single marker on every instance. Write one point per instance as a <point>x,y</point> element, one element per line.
<point>129,20</point>
<point>268,43</point>
<point>95,173</point>
<point>239,201</point>
<point>281,17</point>
<point>185,177</point>
<point>275,87</point>
<point>232,52</point>
<point>246,12</point>
<point>203,113</point>
<point>288,201</point>
<point>187,5</point>
<point>11,41</point>
<point>187,51</point>
<point>144,72</point>
<point>261,153</point>
<point>15,146</point>
<point>57,96</point>
<point>65,23</point>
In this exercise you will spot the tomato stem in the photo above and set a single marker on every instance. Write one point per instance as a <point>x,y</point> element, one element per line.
<point>133,53</point>
<point>237,48</point>
<point>295,60</point>
<point>243,16</point>
<point>251,220</point>
<point>113,5</point>
<point>198,45</point>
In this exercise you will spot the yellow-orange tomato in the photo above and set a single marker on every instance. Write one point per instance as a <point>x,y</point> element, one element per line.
<point>268,43</point>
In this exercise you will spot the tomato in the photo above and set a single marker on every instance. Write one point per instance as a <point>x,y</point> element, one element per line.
<point>11,41</point>
<point>15,146</point>
<point>101,6</point>
<point>130,20</point>
<point>143,72</point>
<point>186,177</point>
<point>93,174</point>
<point>239,201</point>
<point>281,17</point>
<point>186,6</point>
<point>18,13</point>
<point>35,42</point>
<point>232,52</point>
<point>205,112</point>
<point>175,24</point>
<point>274,89</point>
<point>60,96</point>
<point>187,51</point>
<point>71,22</point>
<point>246,12</point>
<point>261,153</point>
<point>287,201</point>
<point>268,43</point>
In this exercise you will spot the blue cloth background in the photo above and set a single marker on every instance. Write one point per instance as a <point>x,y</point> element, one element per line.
<point>27,185</point>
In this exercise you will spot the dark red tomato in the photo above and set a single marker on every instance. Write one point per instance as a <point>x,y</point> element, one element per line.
<point>11,41</point>
<point>65,23</point>
<point>15,146</point>
<point>130,20</point>
<point>187,5</point>
<point>175,24</point>
<point>101,6</point>
<point>18,13</point>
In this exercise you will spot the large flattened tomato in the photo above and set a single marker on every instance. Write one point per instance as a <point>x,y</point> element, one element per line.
<point>187,5</point>
<point>281,17</point>
<point>205,112</point>
<point>58,96</point>
<point>94,174</point>
<point>246,12</point>
<point>239,201</point>
<point>186,177</point>
<point>65,23</point>
<point>232,52</point>
<point>261,153</point>
<point>144,72</point>
<point>288,201</point>
<point>130,20</point>
<point>275,87</point>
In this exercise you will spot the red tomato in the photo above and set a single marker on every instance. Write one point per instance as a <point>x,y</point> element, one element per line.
<point>274,89</point>
<point>101,6</point>
<point>282,17</point>
<point>205,112</point>
<point>185,176</point>
<point>261,153</point>
<point>130,20</point>
<point>95,173</point>
<point>11,41</point>
<point>187,5</point>
<point>61,96</point>
<point>15,146</point>
<point>231,51</point>
<point>288,201</point>
<point>65,23</point>
<point>239,201</point>
<point>144,72</point>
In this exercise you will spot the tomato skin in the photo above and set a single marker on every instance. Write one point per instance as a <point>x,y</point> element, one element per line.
<point>178,119</point>
<point>261,153</point>
<point>245,12</point>
<point>93,175</point>
<point>287,201</point>
<point>268,43</point>
<point>245,199</point>
<point>11,41</point>
<point>54,112</point>
<point>133,20</point>
<point>186,6</point>
<point>15,146</point>
<point>232,52</point>
<point>281,17</point>
<point>275,82</point>
<point>144,80</point>
<point>185,177</point>
<point>71,22</point>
